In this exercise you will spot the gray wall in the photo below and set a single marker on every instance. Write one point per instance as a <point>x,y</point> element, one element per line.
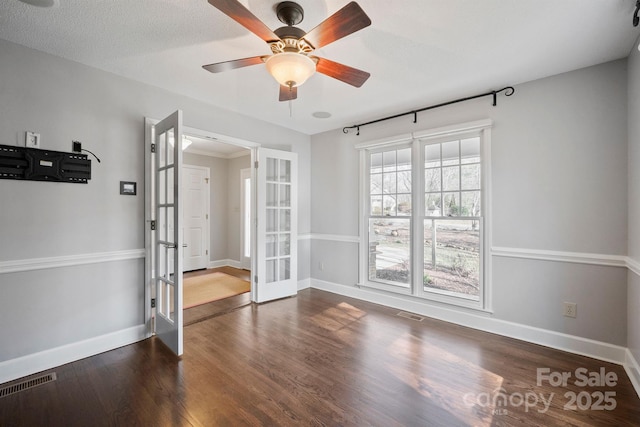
<point>233,205</point>
<point>559,164</point>
<point>633,324</point>
<point>63,101</point>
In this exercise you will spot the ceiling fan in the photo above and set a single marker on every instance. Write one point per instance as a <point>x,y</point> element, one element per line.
<point>291,63</point>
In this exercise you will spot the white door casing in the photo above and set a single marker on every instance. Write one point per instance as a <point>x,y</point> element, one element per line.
<point>195,205</point>
<point>277,213</point>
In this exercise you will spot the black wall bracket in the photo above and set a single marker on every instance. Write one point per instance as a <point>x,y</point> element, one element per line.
<point>32,164</point>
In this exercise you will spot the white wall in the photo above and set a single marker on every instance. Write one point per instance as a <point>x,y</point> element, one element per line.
<point>633,300</point>
<point>65,101</point>
<point>559,164</point>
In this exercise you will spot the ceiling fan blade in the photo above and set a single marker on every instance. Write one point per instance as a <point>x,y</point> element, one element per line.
<point>236,11</point>
<point>342,72</point>
<point>219,67</point>
<point>347,20</point>
<point>287,93</point>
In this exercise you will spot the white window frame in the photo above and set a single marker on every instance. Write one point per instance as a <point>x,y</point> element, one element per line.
<point>417,141</point>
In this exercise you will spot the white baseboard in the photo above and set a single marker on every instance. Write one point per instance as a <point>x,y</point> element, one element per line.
<point>224,263</point>
<point>484,322</point>
<point>304,284</point>
<point>33,363</point>
<point>632,368</point>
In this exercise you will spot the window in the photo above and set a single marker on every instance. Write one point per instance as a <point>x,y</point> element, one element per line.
<point>452,217</point>
<point>390,217</point>
<point>424,205</point>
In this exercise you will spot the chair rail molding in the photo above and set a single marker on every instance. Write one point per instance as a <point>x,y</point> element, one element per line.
<point>21,265</point>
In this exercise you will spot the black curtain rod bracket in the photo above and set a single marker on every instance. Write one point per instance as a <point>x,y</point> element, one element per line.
<point>508,91</point>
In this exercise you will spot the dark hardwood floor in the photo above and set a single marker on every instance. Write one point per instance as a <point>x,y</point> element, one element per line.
<point>323,359</point>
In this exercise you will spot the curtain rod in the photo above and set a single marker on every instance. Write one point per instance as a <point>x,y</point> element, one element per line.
<point>508,91</point>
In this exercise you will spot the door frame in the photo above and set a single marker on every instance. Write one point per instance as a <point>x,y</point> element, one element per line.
<point>149,312</point>
<point>207,233</point>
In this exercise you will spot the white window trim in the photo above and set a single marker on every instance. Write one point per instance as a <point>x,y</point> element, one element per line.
<point>417,139</point>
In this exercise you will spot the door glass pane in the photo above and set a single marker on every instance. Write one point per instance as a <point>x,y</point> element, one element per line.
<point>457,258</point>
<point>162,187</point>
<point>285,220</point>
<point>285,244</point>
<point>272,245</point>
<point>161,149</point>
<point>272,169</point>
<point>285,195</point>
<point>389,251</point>
<point>285,170</point>
<point>171,138</point>
<point>285,269</point>
<point>272,195</point>
<point>170,189</point>
<point>271,270</point>
<point>272,220</point>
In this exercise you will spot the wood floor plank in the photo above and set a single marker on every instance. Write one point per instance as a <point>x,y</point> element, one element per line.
<point>319,359</point>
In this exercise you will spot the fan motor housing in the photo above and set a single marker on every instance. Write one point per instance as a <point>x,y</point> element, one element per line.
<point>289,13</point>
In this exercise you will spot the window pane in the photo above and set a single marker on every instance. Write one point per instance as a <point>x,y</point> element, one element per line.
<point>451,204</point>
<point>404,182</point>
<point>457,256</point>
<point>470,177</point>
<point>404,204</point>
<point>389,205</point>
<point>404,159</point>
<point>376,163</point>
<point>389,160</point>
<point>450,153</point>
<point>433,204</point>
<point>376,205</point>
<point>432,179</point>
<point>432,156</point>
<point>451,178</point>
<point>470,203</point>
<point>376,184</point>
<point>470,150</point>
<point>389,251</point>
<point>389,182</point>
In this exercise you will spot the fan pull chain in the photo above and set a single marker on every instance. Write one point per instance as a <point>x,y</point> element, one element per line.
<point>290,99</point>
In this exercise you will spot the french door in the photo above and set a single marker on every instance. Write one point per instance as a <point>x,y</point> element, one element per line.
<point>167,236</point>
<point>277,213</point>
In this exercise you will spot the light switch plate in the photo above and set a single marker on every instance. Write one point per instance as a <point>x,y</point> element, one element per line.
<point>32,140</point>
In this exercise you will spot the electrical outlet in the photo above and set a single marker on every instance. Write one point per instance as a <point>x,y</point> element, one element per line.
<point>32,139</point>
<point>570,309</point>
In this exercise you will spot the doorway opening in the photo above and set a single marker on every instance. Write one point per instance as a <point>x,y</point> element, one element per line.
<point>216,191</point>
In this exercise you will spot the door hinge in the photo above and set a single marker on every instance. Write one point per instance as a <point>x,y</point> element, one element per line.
<point>153,303</point>
<point>206,216</point>
<point>153,148</point>
<point>255,279</point>
<point>206,180</point>
<point>255,165</point>
<point>206,252</point>
<point>153,224</point>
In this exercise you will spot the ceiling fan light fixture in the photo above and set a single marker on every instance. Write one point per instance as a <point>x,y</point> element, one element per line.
<point>290,68</point>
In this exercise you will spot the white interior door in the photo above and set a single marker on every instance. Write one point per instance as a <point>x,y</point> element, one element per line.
<point>245,220</point>
<point>167,236</point>
<point>195,203</point>
<point>277,212</point>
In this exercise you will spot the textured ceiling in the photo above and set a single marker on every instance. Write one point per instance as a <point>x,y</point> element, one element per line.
<point>418,52</point>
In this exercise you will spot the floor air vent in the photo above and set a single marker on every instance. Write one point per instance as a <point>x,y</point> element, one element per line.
<point>25,385</point>
<point>411,316</point>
